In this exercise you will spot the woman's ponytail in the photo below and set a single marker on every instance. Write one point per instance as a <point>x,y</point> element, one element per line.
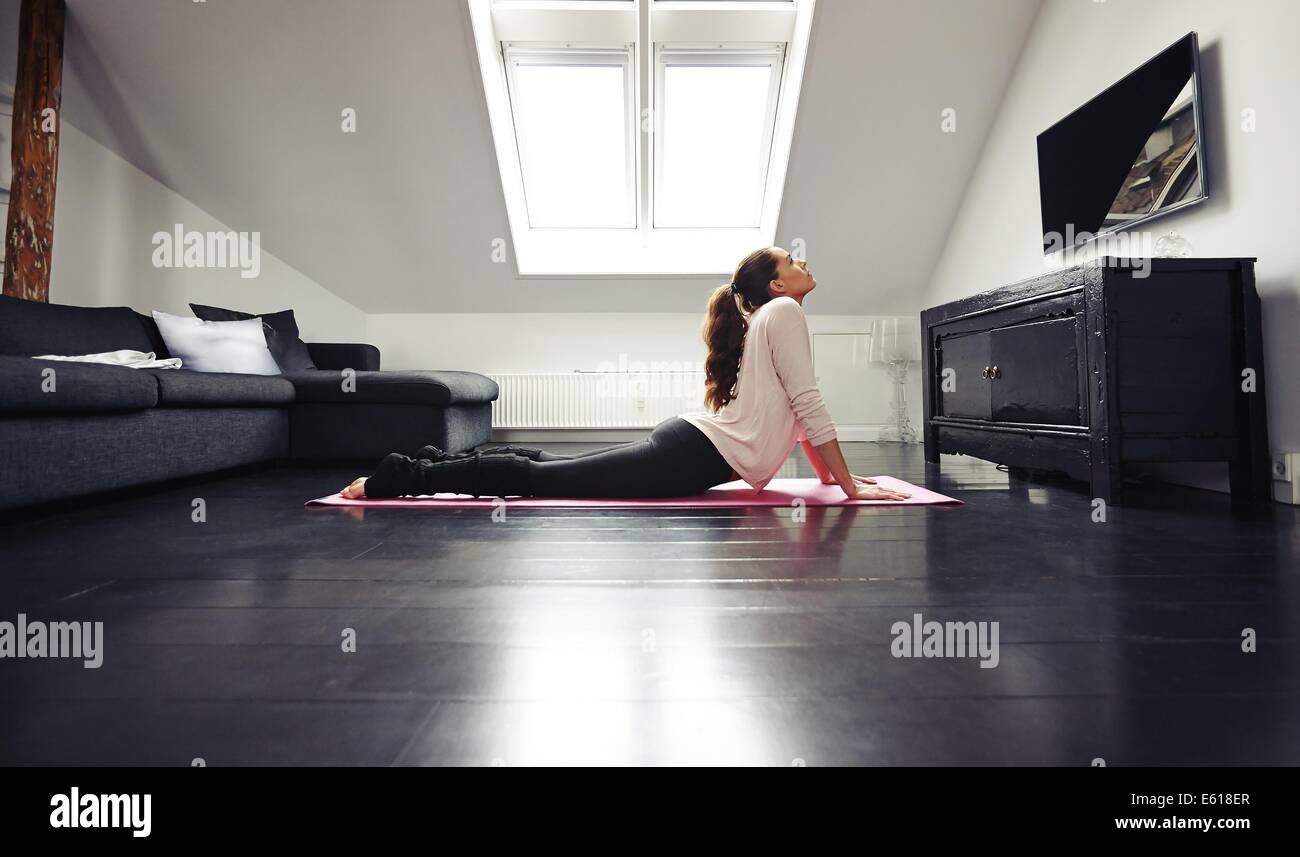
<point>725,324</point>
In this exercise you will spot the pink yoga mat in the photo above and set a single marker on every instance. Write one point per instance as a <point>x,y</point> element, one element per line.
<point>779,492</point>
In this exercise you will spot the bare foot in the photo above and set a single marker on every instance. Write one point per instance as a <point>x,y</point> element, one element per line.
<point>355,491</point>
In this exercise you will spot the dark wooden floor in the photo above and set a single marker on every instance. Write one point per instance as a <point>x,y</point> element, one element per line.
<point>683,636</point>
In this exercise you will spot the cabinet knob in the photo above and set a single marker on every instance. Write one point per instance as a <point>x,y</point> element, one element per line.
<point>995,373</point>
<point>984,373</point>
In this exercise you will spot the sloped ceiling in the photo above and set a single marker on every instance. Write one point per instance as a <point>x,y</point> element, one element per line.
<point>235,104</point>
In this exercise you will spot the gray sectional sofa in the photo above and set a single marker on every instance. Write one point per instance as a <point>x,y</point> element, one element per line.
<point>74,429</point>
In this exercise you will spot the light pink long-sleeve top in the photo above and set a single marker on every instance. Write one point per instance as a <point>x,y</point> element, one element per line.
<point>777,402</point>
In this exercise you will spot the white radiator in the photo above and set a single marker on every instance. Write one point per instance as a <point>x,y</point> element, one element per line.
<point>595,400</point>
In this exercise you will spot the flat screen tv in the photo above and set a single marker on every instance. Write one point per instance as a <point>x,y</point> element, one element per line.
<point>1132,153</point>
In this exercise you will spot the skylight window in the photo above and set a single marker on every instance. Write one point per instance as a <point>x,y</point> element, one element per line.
<point>640,137</point>
<point>717,114</point>
<point>575,131</point>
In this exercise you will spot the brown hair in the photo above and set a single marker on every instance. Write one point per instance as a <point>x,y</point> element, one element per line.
<point>725,324</point>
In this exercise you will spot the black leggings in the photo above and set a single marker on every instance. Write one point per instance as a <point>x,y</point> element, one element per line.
<point>676,460</point>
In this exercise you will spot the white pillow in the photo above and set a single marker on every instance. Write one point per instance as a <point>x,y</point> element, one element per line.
<point>217,346</point>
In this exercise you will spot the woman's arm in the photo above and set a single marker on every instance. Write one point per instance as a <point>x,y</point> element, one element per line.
<point>819,467</point>
<point>832,458</point>
<point>791,350</point>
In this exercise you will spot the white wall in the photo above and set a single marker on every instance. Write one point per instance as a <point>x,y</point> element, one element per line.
<point>1248,61</point>
<point>104,219</point>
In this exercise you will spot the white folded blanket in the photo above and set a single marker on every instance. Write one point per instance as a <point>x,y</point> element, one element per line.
<point>125,357</point>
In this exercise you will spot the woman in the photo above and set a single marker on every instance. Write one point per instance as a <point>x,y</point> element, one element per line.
<point>761,395</point>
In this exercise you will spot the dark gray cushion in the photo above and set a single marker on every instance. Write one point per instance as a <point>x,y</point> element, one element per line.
<point>56,456</point>
<point>368,432</point>
<point>412,387</point>
<point>181,388</point>
<point>344,355</point>
<point>281,330</point>
<point>30,328</point>
<point>77,387</point>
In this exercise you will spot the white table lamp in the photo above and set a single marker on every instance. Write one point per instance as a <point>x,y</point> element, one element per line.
<point>896,344</point>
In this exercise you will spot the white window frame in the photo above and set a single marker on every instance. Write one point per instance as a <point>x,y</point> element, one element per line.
<point>533,54</point>
<point>646,250</point>
<point>771,56</point>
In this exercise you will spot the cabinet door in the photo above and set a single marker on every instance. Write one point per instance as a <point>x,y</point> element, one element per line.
<point>963,391</point>
<point>1036,373</point>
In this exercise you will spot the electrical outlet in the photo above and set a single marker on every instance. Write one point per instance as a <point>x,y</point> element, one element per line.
<point>1282,470</point>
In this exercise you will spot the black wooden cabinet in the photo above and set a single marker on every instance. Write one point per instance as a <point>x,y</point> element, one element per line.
<point>1085,369</point>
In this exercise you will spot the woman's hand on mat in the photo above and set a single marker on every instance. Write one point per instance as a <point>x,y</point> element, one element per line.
<point>355,491</point>
<point>875,492</point>
<point>828,479</point>
<point>861,480</point>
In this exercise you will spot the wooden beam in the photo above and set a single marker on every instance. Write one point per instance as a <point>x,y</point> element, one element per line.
<point>38,91</point>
